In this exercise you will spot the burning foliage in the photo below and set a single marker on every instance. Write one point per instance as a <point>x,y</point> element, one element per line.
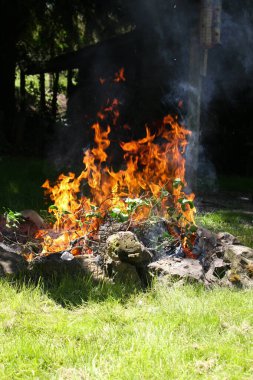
<point>149,185</point>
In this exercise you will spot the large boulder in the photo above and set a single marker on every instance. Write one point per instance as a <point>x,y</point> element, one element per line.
<point>56,265</point>
<point>11,263</point>
<point>124,246</point>
<point>226,238</point>
<point>238,255</point>
<point>124,272</point>
<point>217,270</point>
<point>240,259</point>
<point>125,258</point>
<point>178,268</point>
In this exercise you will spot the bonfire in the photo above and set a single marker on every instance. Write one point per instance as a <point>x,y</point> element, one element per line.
<point>149,186</point>
<point>129,222</point>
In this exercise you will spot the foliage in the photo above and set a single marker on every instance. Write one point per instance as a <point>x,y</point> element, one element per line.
<point>48,218</point>
<point>60,26</point>
<point>129,207</point>
<point>132,204</point>
<point>13,218</point>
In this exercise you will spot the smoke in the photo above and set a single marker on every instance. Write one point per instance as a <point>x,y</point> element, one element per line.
<point>230,65</point>
<point>162,63</point>
<point>227,94</point>
<point>238,36</point>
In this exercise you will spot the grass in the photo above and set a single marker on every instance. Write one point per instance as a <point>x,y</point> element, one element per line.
<point>238,224</point>
<point>236,183</point>
<point>20,182</point>
<point>165,333</point>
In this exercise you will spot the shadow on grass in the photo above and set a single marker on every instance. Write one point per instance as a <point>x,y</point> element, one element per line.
<point>72,291</point>
<point>20,182</point>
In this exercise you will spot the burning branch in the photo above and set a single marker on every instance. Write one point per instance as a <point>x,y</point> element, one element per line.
<point>149,184</point>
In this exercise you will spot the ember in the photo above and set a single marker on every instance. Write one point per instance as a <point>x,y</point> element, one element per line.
<point>150,182</point>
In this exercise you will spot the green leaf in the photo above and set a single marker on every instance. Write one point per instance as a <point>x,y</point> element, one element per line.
<point>179,216</point>
<point>53,207</point>
<point>177,182</point>
<point>65,212</point>
<point>80,223</point>
<point>166,235</point>
<point>118,214</point>
<point>93,215</point>
<point>164,193</point>
<point>116,210</point>
<point>184,202</point>
<point>193,228</point>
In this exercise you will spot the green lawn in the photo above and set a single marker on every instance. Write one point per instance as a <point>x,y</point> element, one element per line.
<point>165,333</point>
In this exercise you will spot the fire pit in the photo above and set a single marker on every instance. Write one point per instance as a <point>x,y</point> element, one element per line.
<point>136,221</point>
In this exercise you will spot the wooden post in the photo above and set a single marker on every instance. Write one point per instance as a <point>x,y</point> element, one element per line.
<point>55,93</point>
<point>203,36</point>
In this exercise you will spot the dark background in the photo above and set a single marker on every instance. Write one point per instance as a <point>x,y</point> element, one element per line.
<point>156,61</point>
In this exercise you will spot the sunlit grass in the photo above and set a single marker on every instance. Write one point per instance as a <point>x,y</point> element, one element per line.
<point>165,333</point>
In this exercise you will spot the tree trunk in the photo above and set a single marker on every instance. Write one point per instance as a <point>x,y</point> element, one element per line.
<point>22,90</point>
<point>42,93</point>
<point>55,93</point>
<point>51,81</point>
<point>7,90</point>
<point>69,82</point>
<point>8,56</point>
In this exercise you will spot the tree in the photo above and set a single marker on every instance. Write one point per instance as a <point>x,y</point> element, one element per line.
<point>35,30</point>
<point>16,17</point>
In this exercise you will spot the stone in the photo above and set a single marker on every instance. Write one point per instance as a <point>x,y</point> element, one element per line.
<point>151,233</point>
<point>34,217</point>
<point>238,255</point>
<point>53,265</point>
<point>226,238</point>
<point>241,262</point>
<point>178,268</point>
<point>217,270</point>
<point>124,246</point>
<point>11,263</point>
<point>90,265</point>
<point>124,272</point>
<point>206,240</point>
<point>107,229</point>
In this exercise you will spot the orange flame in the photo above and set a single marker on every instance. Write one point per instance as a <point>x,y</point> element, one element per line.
<point>150,166</point>
<point>120,75</point>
